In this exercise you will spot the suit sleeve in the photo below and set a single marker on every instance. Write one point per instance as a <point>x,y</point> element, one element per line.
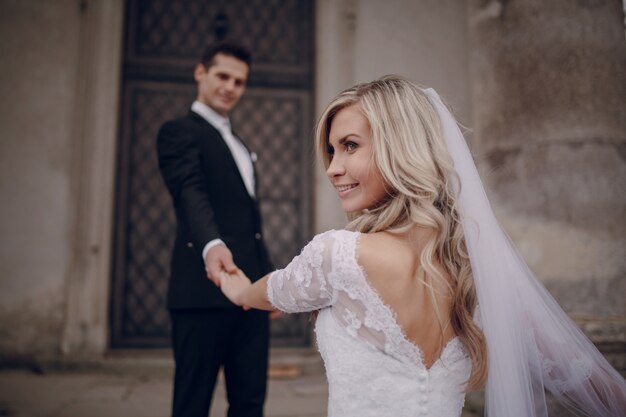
<point>181,168</point>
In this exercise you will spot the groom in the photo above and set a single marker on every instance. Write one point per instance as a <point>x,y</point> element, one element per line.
<point>210,175</point>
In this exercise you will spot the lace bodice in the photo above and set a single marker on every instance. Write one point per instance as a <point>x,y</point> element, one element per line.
<point>372,368</point>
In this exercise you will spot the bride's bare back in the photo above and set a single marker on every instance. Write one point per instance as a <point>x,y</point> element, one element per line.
<point>390,263</point>
<point>377,334</point>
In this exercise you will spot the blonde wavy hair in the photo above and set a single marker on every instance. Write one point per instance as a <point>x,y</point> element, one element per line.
<point>411,155</point>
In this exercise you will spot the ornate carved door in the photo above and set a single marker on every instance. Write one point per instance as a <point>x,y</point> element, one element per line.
<point>163,42</point>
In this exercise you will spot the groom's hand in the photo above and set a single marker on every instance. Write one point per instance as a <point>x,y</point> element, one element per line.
<point>217,260</point>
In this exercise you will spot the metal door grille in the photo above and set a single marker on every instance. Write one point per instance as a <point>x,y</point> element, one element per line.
<point>163,42</point>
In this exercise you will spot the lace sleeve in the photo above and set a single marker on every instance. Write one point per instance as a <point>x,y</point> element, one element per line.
<point>304,284</point>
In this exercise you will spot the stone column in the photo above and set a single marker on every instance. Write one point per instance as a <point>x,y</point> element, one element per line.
<point>549,102</point>
<point>86,324</point>
<point>361,40</point>
<point>334,72</point>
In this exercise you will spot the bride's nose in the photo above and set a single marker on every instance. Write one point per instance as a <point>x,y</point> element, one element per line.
<point>336,168</point>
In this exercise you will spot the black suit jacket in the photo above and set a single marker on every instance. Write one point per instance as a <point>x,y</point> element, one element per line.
<point>211,201</point>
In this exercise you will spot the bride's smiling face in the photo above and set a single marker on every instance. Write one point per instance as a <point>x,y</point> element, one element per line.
<point>352,169</point>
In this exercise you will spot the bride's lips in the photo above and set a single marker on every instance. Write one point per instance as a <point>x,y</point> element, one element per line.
<point>345,189</point>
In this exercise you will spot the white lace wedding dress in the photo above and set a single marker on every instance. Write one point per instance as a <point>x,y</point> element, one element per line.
<point>372,368</point>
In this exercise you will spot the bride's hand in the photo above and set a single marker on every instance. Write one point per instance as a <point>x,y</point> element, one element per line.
<point>234,285</point>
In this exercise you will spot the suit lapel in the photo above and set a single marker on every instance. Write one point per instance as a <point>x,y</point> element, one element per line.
<point>226,150</point>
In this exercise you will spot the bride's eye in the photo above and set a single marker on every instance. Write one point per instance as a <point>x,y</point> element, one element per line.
<point>350,146</point>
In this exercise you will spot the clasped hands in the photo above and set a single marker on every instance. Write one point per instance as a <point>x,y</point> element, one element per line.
<point>221,269</point>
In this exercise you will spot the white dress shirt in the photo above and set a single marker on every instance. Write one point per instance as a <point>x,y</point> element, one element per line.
<point>240,153</point>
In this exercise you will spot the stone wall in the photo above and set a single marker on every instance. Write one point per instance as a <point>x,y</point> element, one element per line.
<point>57,129</point>
<point>361,40</point>
<point>39,45</point>
<point>541,83</point>
<point>549,100</point>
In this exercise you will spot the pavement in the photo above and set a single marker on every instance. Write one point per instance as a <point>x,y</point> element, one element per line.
<point>25,394</point>
<point>137,385</point>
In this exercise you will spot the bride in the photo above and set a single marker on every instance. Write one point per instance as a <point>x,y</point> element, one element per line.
<point>423,297</point>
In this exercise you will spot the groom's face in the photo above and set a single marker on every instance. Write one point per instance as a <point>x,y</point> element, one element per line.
<point>221,85</point>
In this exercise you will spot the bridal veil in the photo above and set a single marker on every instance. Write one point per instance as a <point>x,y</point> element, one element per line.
<point>532,345</point>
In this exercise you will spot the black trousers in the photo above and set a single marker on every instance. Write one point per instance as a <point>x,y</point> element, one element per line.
<point>205,340</point>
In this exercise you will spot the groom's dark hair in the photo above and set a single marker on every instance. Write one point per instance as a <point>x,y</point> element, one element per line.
<point>228,48</point>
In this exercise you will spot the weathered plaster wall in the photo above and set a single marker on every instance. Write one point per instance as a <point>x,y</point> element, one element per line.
<point>59,82</point>
<point>361,40</point>
<point>549,100</point>
<point>543,86</point>
<point>546,103</point>
<point>39,46</point>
